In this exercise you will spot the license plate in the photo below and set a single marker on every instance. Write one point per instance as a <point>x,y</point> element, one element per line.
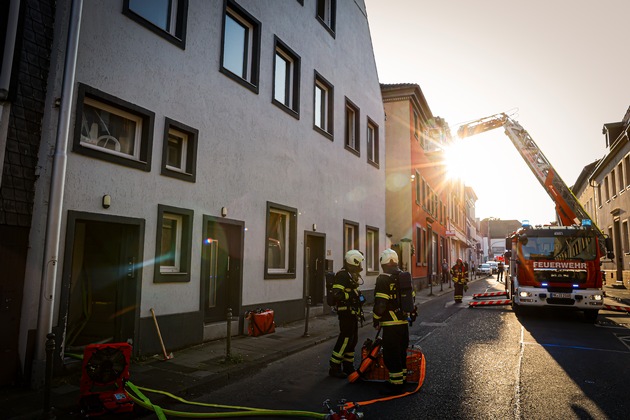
<point>561,295</point>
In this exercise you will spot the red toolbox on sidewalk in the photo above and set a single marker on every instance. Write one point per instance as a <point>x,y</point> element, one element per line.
<point>260,322</point>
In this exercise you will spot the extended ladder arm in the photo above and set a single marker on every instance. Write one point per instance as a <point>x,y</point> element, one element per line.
<point>568,208</point>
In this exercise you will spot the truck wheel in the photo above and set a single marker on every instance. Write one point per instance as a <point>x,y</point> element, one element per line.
<point>590,315</point>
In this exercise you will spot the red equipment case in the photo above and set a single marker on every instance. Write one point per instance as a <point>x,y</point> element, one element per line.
<point>378,372</point>
<point>260,322</point>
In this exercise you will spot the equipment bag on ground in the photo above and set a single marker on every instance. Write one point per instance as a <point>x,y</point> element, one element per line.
<point>375,370</point>
<point>260,322</point>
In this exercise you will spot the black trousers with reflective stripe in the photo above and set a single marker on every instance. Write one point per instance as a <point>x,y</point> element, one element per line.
<point>348,337</point>
<point>395,343</point>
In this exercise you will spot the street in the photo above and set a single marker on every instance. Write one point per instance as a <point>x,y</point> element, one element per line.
<point>481,362</point>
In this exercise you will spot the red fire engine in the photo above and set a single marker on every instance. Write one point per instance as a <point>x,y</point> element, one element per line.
<point>550,265</point>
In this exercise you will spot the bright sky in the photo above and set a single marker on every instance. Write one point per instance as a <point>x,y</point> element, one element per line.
<point>563,64</point>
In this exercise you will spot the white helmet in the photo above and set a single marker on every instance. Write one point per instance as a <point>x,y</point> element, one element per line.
<point>354,258</point>
<point>389,256</point>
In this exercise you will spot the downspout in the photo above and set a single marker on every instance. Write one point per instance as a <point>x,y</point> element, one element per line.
<point>57,186</point>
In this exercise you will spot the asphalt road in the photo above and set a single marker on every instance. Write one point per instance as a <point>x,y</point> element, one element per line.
<point>482,363</point>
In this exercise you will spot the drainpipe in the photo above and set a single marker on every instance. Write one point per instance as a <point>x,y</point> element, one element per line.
<point>55,202</point>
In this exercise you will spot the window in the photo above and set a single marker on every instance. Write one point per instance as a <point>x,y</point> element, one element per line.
<point>416,125</point>
<point>326,14</point>
<point>286,79</point>
<point>240,50</point>
<point>350,235</point>
<point>371,250</point>
<point>111,129</point>
<point>626,164</point>
<point>323,107</point>
<point>372,143</point>
<point>607,189</point>
<point>624,235</point>
<point>179,154</point>
<point>613,183</point>
<point>599,195</point>
<point>281,241</point>
<point>419,247</point>
<point>419,186</point>
<point>173,245</point>
<point>620,174</point>
<point>352,127</point>
<point>167,18</point>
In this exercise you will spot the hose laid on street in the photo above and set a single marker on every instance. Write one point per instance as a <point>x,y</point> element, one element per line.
<point>139,398</point>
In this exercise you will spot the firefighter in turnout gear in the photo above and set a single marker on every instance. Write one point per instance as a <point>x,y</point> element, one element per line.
<point>460,279</point>
<point>349,306</point>
<point>394,321</point>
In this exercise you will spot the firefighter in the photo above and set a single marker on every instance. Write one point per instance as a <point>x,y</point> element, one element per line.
<point>349,306</point>
<point>460,279</point>
<point>389,316</point>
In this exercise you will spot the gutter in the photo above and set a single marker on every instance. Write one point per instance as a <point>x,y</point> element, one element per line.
<point>55,202</point>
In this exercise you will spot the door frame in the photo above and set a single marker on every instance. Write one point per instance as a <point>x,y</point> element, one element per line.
<point>319,238</point>
<point>74,217</point>
<point>236,293</point>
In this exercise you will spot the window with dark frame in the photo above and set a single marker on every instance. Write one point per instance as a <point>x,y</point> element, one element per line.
<point>350,235</point>
<point>179,153</point>
<point>372,143</point>
<point>240,47</point>
<point>281,241</point>
<point>166,18</point>
<point>323,106</point>
<point>327,14</point>
<point>352,118</point>
<point>173,245</point>
<point>286,78</point>
<point>371,250</point>
<point>113,130</point>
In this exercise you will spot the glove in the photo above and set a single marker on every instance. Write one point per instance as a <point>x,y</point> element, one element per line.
<point>412,316</point>
<point>465,288</point>
<point>375,323</point>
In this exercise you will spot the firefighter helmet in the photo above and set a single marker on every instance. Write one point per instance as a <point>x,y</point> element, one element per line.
<point>354,258</point>
<point>389,256</point>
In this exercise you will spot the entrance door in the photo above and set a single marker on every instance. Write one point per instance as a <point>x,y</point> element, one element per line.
<point>221,268</point>
<point>314,266</point>
<point>102,302</point>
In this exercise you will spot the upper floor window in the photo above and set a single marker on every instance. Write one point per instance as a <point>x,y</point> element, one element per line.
<point>111,129</point>
<point>240,50</point>
<point>372,142</point>
<point>323,112</point>
<point>281,241</point>
<point>166,18</point>
<point>626,164</point>
<point>286,79</point>
<point>327,14</point>
<point>179,153</point>
<point>173,245</point>
<point>416,125</point>
<point>352,127</point>
<point>350,235</point>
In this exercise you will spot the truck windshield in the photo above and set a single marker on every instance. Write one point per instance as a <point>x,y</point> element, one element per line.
<point>561,248</point>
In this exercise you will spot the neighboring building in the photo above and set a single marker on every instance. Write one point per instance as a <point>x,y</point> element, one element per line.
<point>584,191</point>
<point>472,227</point>
<point>416,189</point>
<point>495,231</point>
<point>219,155</point>
<point>611,180</point>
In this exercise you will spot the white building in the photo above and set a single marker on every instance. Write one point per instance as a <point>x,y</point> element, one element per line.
<point>219,155</point>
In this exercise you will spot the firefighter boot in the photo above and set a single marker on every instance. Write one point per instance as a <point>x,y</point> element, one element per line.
<point>348,368</point>
<point>335,371</point>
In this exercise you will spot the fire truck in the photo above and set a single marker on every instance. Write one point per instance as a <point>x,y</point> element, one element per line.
<point>556,265</point>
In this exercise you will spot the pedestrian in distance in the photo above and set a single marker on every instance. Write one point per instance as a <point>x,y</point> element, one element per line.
<point>349,306</point>
<point>394,312</point>
<point>500,270</point>
<point>460,279</point>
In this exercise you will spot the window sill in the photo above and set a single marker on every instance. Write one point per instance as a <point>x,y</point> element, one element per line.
<point>323,132</point>
<point>353,150</point>
<point>292,112</point>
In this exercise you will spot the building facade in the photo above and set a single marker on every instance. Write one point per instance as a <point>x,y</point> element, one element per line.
<point>198,158</point>
<point>610,180</point>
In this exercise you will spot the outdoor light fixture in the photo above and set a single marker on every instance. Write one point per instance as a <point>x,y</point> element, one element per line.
<point>314,227</point>
<point>223,211</point>
<point>107,201</point>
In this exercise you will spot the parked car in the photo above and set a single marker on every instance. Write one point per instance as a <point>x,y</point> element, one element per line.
<point>494,265</point>
<point>484,269</point>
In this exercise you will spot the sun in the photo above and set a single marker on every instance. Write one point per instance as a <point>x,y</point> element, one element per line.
<point>458,159</point>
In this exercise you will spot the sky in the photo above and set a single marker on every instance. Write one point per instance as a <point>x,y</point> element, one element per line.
<point>562,67</point>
